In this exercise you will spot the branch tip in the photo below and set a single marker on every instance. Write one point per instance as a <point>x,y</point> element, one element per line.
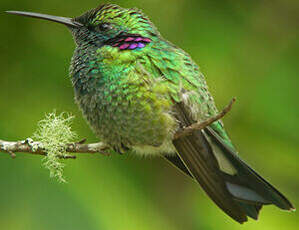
<point>203,124</point>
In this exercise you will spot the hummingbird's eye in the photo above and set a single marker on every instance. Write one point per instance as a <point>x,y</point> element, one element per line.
<point>104,27</point>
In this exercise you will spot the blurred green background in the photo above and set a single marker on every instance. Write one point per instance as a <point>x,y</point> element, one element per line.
<point>247,49</point>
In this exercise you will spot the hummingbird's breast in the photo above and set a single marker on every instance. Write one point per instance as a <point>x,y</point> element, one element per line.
<point>124,106</point>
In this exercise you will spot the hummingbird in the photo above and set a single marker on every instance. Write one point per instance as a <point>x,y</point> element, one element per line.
<point>136,90</point>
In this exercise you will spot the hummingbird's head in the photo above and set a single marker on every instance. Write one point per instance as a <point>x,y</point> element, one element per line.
<point>108,24</point>
<point>112,25</point>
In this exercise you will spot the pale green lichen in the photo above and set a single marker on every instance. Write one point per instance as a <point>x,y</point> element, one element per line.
<point>54,133</point>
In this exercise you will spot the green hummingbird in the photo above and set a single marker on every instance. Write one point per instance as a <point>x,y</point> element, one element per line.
<point>131,83</point>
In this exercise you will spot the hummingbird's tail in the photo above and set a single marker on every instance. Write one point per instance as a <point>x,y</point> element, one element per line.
<point>236,188</point>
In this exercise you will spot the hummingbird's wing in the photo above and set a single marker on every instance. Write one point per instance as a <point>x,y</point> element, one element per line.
<point>208,154</point>
<point>230,183</point>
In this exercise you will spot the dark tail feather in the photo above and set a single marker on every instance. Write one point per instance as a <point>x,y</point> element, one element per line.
<point>251,210</point>
<point>247,185</point>
<point>229,182</point>
<point>176,161</point>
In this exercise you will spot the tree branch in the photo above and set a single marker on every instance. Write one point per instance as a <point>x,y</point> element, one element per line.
<point>33,147</point>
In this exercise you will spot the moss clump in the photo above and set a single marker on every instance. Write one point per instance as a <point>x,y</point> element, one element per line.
<point>54,133</point>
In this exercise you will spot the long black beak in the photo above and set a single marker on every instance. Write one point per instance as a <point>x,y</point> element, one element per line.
<point>66,21</point>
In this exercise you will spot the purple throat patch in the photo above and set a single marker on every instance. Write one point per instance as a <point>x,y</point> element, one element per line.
<point>129,41</point>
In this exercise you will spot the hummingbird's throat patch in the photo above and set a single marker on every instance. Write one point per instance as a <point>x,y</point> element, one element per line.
<point>129,41</point>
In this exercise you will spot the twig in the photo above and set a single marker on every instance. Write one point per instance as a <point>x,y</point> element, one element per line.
<point>32,147</point>
<point>202,124</point>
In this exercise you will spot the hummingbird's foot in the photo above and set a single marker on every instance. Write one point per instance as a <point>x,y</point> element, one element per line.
<point>121,149</point>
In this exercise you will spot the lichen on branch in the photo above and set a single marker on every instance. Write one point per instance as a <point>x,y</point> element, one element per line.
<point>54,133</point>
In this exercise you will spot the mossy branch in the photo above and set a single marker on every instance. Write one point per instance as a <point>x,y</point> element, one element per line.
<point>28,146</point>
<point>54,140</point>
